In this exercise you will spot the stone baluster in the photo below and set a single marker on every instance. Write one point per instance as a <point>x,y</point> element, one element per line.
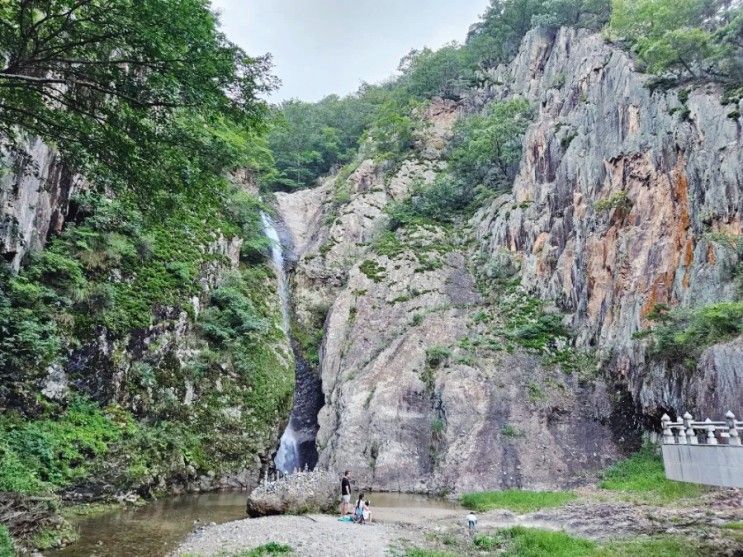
<point>665,423</point>
<point>711,439</point>
<point>734,438</point>
<point>681,431</point>
<point>265,478</point>
<point>691,436</point>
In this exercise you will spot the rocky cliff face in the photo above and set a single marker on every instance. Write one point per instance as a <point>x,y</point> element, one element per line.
<point>414,399</point>
<point>35,191</point>
<point>674,160</point>
<point>620,196</point>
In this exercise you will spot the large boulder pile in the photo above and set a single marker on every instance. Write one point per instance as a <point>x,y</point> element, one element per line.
<point>299,493</point>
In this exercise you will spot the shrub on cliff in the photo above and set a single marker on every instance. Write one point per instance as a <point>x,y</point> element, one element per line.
<point>681,335</point>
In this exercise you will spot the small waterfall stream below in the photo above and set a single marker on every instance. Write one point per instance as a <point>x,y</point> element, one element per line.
<point>297,448</point>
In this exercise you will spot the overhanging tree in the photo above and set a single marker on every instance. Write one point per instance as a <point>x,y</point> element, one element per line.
<point>107,79</point>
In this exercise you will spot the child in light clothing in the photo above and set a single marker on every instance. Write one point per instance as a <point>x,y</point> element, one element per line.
<point>471,523</point>
<point>366,513</point>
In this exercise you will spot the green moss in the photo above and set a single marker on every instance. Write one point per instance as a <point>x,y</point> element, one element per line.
<point>641,476</point>
<point>512,431</point>
<point>516,500</point>
<point>373,270</point>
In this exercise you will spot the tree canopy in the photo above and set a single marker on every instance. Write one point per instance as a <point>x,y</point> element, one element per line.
<point>110,81</point>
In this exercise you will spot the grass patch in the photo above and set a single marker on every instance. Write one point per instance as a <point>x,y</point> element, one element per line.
<point>642,475</point>
<point>532,542</point>
<point>267,550</point>
<point>660,546</point>
<point>418,552</point>
<point>516,500</point>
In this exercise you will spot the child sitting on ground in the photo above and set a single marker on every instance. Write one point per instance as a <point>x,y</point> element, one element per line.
<point>366,513</point>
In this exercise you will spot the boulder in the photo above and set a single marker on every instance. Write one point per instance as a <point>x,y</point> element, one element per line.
<point>298,493</point>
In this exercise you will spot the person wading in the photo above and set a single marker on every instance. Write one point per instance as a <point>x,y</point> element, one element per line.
<point>345,492</point>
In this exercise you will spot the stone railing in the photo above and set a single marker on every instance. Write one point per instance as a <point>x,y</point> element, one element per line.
<point>685,431</point>
<point>707,452</point>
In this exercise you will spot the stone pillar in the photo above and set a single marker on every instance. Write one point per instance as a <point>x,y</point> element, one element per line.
<point>691,436</point>
<point>734,438</point>
<point>711,439</point>
<point>668,438</point>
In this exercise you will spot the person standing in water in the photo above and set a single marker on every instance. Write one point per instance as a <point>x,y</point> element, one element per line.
<point>345,492</point>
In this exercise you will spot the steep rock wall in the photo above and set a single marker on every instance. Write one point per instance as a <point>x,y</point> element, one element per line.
<point>35,191</point>
<point>675,165</point>
<point>401,417</point>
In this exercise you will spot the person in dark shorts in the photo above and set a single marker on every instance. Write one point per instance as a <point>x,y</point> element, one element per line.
<point>345,492</point>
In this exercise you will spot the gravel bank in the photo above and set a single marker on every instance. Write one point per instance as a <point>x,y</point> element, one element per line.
<point>310,536</point>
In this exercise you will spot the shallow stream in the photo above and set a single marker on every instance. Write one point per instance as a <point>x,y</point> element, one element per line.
<point>156,528</point>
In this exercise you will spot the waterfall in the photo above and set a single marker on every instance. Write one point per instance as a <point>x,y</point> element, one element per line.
<point>277,257</point>
<point>297,447</point>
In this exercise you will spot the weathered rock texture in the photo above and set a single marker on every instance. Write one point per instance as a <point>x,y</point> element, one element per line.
<point>34,198</point>
<point>398,420</point>
<point>298,493</point>
<point>625,198</point>
<point>602,133</point>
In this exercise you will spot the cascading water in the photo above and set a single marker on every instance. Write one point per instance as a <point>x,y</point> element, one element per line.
<point>297,447</point>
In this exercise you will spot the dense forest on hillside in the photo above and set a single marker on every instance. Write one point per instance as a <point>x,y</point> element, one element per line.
<point>163,134</point>
<point>695,41</point>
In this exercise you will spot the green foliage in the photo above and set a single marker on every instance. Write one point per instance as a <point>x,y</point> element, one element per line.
<point>435,73</point>
<point>373,270</point>
<point>642,476</point>
<point>512,431</point>
<point>55,451</point>
<point>231,314</point>
<point>516,500</point>
<point>696,38</point>
<point>123,83</point>
<point>487,147</point>
<point>533,542</point>
<point>656,546</point>
<point>437,356</point>
<point>267,550</point>
<point>6,543</point>
<point>485,542</point>
<point>308,139</point>
<point>591,14</point>
<point>618,200</point>
<point>418,552</point>
<point>681,335</point>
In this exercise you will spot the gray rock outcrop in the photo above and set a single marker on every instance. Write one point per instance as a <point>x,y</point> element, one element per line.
<point>626,197</point>
<point>298,493</point>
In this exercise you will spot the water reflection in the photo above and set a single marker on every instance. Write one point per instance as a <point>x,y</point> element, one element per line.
<point>154,529</point>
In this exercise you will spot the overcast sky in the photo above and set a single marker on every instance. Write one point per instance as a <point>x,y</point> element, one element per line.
<point>331,46</point>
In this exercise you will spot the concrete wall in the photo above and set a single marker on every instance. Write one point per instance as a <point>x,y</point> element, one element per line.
<point>720,465</point>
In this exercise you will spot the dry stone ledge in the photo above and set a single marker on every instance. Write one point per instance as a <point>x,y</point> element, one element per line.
<point>299,493</point>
